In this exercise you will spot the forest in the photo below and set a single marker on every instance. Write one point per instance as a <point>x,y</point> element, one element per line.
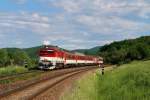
<point>15,56</point>
<point>126,51</point>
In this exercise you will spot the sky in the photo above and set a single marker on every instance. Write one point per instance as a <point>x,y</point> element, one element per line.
<point>72,24</point>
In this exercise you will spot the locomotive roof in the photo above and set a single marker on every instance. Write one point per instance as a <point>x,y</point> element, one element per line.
<point>54,47</point>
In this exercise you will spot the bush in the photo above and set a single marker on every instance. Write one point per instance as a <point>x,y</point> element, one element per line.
<point>3,57</point>
<point>14,56</point>
<point>12,70</point>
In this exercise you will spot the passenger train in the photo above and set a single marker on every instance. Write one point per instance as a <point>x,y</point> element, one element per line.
<point>51,57</point>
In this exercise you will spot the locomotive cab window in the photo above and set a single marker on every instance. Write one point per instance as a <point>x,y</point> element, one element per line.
<point>50,51</point>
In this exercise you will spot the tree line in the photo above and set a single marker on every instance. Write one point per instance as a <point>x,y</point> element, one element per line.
<point>126,51</point>
<point>14,56</point>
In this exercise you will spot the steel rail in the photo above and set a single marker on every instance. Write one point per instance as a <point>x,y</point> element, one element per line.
<point>6,77</point>
<point>32,83</point>
<point>54,84</point>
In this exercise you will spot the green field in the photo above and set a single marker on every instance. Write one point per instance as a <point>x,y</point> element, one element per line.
<point>10,70</point>
<point>127,82</point>
<point>16,70</point>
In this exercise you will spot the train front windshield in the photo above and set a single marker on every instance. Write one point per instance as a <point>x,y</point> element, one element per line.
<point>47,53</point>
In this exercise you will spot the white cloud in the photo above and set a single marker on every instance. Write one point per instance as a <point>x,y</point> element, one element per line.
<point>34,22</point>
<point>20,1</point>
<point>82,22</point>
<point>19,43</point>
<point>111,25</point>
<point>70,6</point>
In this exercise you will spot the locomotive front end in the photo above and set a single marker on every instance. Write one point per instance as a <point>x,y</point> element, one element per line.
<point>47,58</point>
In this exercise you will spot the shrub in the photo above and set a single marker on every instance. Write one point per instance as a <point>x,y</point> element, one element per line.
<point>12,70</point>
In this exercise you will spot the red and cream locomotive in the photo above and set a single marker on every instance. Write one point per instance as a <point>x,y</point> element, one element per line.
<point>51,57</point>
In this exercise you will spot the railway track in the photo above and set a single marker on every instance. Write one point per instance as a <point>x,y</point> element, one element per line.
<point>33,89</point>
<point>12,76</point>
<point>6,77</point>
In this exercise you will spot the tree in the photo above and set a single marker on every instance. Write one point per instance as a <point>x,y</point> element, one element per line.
<point>86,52</point>
<point>126,51</point>
<point>20,57</point>
<point>144,50</point>
<point>133,54</point>
<point>3,57</point>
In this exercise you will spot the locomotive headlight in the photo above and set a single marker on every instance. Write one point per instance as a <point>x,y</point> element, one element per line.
<point>45,42</point>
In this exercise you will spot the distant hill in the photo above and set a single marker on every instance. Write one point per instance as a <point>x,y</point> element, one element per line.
<point>32,52</point>
<point>10,50</point>
<point>92,51</point>
<point>127,50</point>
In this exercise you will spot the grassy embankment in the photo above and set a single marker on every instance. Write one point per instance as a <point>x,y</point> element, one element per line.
<point>10,70</point>
<point>127,82</point>
<point>13,70</point>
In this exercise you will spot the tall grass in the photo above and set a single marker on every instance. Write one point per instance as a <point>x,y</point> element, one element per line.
<point>12,70</point>
<point>128,82</point>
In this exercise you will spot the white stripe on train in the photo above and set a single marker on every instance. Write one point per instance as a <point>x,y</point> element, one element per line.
<point>67,61</point>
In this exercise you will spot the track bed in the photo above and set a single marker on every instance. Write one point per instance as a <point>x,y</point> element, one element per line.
<point>35,87</point>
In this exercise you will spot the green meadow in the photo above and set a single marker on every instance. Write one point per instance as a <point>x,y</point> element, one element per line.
<point>15,70</point>
<point>11,70</point>
<point>126,82</point>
